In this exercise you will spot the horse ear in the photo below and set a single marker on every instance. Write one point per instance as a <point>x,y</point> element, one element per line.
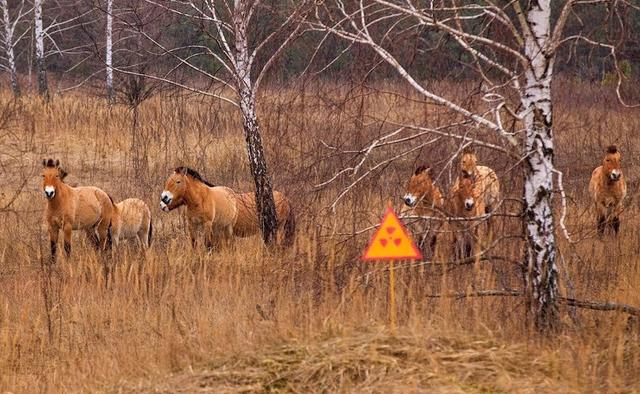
<point>57,163</point>
<point>44,162</point>
<point>422,169</point>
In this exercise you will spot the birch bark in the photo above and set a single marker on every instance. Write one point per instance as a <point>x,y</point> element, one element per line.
<point>9,29</point>
<point>41,71</point>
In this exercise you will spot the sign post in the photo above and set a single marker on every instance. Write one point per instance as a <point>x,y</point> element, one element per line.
<point>391,242</point>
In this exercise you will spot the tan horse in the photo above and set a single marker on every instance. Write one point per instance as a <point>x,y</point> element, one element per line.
<point>423,198</point>
<point>466,203</point>
<point>485,183</point>
<point>132,220</point>
<point>74,208</point>
<point>222,212</point>
<point>608,189</point>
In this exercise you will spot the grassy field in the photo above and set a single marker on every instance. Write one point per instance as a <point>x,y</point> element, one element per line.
<point>313,317</point>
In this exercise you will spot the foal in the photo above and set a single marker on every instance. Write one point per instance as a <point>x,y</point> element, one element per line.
<point>423,198</point>
<point>222,212</point>
<point>466,203</point>
<point>132,219</point>
<point>74,208</point>
<point>608,189</point>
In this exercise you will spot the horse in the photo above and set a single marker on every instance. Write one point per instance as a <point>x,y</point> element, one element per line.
<point>132,219</point>
<point>423,198</point>
<point>608,189</point>
<point>85,208</point>
<point>223,213</point>
<point>466,203</point>
<point>485,183</point>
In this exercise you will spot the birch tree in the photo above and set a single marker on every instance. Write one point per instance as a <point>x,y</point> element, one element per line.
<point>41,67</point>
<point>10,40</point>
<point>519,63</point>
<point>108,58</point>
<point>247,36</point>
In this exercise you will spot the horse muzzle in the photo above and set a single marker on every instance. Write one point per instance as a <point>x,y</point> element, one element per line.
<point>166,198</point>
<point>409,200</point>
<point>469,204</point>
<point>49,192</point>
<point>615,175</point>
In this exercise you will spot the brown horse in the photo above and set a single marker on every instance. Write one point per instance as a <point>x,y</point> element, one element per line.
<point>132,220</point>
<point>74,208</point>
<point>466,203</point>
<point>423,198</point>
<point>222,212</point>
<point>608,189</point>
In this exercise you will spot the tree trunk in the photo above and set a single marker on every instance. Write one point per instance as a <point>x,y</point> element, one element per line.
<point>266,208</point>
<point>9,44</point>
<point>109,53</point>
<point>541,278</point>
<point>265,204</point>
<point>41,70</point>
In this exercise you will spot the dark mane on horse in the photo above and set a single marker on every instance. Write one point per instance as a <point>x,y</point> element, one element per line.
<point>193,174</point>
<point>50,163</point>
<point>468,150</point>
<point>612,149</point>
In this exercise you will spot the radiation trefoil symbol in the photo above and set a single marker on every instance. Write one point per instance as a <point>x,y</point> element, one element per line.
<point>391,241</point>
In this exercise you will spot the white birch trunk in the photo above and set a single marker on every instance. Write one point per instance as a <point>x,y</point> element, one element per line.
<point>541,279</point>
<point>9,47</point>
<point>266,210</point>
<point>109,52</point>
<point>43,88</point>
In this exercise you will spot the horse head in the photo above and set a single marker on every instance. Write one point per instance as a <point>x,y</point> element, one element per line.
<point>420,185</point>
<point>52,177</point>
<point>611,164</point>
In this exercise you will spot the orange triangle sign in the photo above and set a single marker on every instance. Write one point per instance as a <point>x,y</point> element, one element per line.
<point>391,241</point>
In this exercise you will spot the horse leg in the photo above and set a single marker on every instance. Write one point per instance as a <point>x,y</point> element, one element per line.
<point>192,227</point>
<point>103,234</point>
<point>92,237</point>
<point>602,225</point>
<point>208,236</point>
<point>53,241</point>
<point>67,238</point>
<point>615,222</point>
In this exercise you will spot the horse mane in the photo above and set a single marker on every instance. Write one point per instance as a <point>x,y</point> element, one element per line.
<point>193,174</point>
<point>612,149</point>
<point>421,169</point>
<point>468,150</point>
<point>50,163</point>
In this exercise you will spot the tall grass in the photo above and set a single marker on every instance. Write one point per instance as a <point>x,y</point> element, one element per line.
<point>312,317</point>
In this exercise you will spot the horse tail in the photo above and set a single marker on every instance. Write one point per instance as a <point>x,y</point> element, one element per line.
<point>150,232</point>
<point>109,237</point>
<point>289,228</point>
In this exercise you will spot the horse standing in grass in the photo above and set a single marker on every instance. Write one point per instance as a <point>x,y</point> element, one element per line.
<point>220,211</point>
<point>75,208</point>
<point>608,189</point>
<point>485,183</point>
<point>466,203</point>
<point>423,198</point>
<point>132,220</point>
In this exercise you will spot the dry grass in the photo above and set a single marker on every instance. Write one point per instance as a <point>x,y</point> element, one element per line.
<point>311,318</point>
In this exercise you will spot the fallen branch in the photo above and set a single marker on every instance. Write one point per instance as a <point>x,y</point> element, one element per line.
<point>485,293</point>
<point>606,306</point>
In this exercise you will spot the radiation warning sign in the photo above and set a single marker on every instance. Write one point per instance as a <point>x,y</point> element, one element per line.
<point>391,241</point>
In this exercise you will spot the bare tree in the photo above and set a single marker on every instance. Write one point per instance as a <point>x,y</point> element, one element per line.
<point>246,38</point>
<point>10,40</point>
<point>517,63</point>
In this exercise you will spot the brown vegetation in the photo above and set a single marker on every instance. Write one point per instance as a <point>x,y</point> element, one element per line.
<point>312,317</point>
